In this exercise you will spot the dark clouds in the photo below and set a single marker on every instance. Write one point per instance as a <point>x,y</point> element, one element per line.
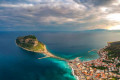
<point>96,2</point>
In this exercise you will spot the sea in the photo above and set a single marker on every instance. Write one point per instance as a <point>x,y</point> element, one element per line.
<point>18,64</point>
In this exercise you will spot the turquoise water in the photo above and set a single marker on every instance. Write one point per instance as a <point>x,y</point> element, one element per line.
<point>18,64</point>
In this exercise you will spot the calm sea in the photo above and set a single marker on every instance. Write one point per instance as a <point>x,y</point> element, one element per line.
<point>17,64</point>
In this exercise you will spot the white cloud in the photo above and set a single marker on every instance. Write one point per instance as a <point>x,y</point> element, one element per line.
<point>116,27</point>
<point>58,20</point>
<point>52,1</point>
<point>116,3</point>
<point>22,5</point>
<point>113,17</point>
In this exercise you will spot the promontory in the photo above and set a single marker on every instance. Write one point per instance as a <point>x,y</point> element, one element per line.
<point>31,43</point>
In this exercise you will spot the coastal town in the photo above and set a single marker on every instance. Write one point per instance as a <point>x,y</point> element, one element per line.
<point>100,69</point>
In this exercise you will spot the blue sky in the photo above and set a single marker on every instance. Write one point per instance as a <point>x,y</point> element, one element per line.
<point>59,15</point>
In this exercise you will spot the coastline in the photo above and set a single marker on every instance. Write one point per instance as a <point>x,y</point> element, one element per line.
<point>73,72</point>
<point>76,77</point>
<point>82,70</point>
<point>45,52</point>
<point>48,54</point>
<point>42,52</point>
<point>77,60</point>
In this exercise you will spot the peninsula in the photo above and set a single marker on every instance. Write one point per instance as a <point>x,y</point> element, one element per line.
<point>106,67</point>
<point>31,43</point>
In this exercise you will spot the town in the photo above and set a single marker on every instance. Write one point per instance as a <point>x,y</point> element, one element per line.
<point>100,69</point>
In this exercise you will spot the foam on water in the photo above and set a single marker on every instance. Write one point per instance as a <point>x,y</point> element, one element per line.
<point>64,65</point>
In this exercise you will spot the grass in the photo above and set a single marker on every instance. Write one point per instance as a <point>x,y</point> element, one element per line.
<point>28,45</point>
<point>40,46</point>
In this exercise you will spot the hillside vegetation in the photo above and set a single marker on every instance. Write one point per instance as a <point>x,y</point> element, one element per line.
<point>113,49</point>
<point>30,42</point>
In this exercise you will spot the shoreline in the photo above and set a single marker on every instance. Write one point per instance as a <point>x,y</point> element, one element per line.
<point>78,77</point>
<point>45,52</point>
<point>48,54</point>
<point>73,73</point>
<point>85,70</point>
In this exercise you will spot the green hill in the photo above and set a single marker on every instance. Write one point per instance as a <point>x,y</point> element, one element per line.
<point>30,42</point>
<point>113,49</point>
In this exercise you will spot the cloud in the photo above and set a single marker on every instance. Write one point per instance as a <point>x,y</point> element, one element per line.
<point>58,14</point>
<point>16,5</point>
<point>114,17</point>
<point>51,1</point>
<point>97,2</point>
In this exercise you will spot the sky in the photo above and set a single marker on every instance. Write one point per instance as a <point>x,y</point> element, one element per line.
<point>59,15</point>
